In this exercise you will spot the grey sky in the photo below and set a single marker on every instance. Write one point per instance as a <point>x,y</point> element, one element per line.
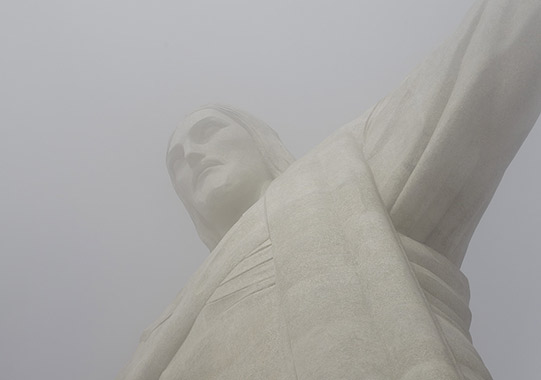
<point>94,242</point>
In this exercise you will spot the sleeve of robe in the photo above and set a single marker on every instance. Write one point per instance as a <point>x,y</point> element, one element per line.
<point>439,144</point>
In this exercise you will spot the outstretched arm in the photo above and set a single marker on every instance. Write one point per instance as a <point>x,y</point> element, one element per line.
<point>443,139</point>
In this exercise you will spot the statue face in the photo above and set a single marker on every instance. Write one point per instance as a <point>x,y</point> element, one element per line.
<point>216,167</point>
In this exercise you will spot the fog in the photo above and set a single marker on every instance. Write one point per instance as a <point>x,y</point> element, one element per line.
<point>95,243</point>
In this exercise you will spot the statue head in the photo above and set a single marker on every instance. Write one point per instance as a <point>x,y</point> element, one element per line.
<point>221,161</point>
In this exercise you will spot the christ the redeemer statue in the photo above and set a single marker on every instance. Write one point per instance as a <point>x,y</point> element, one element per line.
<point>345,264</point>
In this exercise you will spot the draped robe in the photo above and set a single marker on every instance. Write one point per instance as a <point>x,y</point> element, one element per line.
<point>348,266</point>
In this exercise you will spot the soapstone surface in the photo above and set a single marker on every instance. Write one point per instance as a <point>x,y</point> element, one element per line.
<point>346,262</point>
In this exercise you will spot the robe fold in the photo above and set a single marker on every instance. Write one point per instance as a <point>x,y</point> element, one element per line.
<point>348,266</point>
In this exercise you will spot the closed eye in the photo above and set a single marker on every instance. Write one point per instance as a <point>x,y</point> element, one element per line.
<point>176,154</point>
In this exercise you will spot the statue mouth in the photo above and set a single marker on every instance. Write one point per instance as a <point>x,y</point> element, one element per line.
<point>204,169</point>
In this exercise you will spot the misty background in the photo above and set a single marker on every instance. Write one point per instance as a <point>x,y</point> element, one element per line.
<point>94,243</point>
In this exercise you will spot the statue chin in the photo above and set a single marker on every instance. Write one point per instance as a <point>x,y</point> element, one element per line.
<point>222,202</point>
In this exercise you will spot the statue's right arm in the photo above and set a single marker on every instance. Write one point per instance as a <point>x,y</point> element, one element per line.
<point>439,144</point>
<point>472,101</point>
<point>487,75</point>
